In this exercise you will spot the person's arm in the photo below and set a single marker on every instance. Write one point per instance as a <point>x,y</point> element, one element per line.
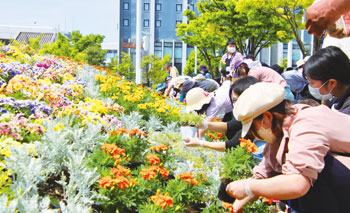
<point>196,142</point>
<point>167,91</point>
<point>322,14</point>
<point>217,126</point>
<point>282,187</point>
<point>238,205</point>
<point>203,131</point>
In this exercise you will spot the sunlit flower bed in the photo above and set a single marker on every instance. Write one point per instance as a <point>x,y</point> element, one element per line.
<point>76,138</point>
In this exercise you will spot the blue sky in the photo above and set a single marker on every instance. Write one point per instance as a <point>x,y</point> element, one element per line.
<point>87,16</point>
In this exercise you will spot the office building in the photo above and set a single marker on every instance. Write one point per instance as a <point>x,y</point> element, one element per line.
<point>159,19</point>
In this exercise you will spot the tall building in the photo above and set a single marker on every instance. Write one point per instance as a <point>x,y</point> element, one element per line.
<point>159,19</point>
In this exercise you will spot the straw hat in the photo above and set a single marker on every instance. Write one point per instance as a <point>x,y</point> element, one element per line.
<point>196,98</point>
<point>255,100</point>
<point>178,81</point>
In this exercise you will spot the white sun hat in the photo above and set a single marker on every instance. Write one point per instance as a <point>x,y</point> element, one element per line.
<point>196,98</point>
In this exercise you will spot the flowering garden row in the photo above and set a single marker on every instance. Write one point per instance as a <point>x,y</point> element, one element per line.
<point>76,138</point>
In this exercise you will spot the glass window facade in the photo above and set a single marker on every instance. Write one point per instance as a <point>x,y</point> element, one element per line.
<point>146,23</point>
<point>178,50</point>
<point>158,7</point>
<point>126,22</point>
<point>179,7</point>
<point>125,5</point>
<point>168,49</point>
<point>146,6</point>
<point>158,49</point>
<point>158,23</point>
<point>189,50</point>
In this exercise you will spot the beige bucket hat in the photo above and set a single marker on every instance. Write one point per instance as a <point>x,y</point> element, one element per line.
<point>196,98</point>
<point>254,101</point>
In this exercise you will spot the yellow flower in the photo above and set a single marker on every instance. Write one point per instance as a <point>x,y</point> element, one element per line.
<point>59,126</point>
<point>17,86</point>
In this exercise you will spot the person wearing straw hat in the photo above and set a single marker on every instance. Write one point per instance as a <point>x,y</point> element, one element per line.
<point>306,158</point>
<point>175,82</point>
<point>211,103</point>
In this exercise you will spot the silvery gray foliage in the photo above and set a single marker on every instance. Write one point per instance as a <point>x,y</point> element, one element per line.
<point>92,88</point>
<point>77,192</point>
<point>172,127</point>
<point>35,205</point>
<point>132,121</point>
<point>154,124</point>
<point>29,171</point>
<point>11,207</point>
<point>66,148</point>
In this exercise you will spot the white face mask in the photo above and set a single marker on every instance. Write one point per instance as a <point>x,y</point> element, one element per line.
<point>231,49</point>
<point>316,93</point>
<point>266,134</point>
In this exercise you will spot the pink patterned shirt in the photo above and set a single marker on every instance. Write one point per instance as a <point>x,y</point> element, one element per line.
<point>308,136</point>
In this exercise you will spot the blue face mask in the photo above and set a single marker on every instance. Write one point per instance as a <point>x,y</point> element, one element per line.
<point>316,93</point>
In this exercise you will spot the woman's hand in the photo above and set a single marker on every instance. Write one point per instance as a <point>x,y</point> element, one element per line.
<point>237,189</point>
<point>193,142</point>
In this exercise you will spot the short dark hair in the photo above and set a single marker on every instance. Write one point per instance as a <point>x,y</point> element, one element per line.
<point>242,84</point>
<point>240,69</point>
<point>277,68</point>
<point>328,63</point>
<point>230,41</point>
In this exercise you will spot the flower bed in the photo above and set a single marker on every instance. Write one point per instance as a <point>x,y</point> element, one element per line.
<point>77,138</point>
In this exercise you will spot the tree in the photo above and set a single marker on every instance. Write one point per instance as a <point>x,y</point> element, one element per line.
<point>61,47</point>
<point>290,12</point>
<point>125,68</point>
<point>154,71</point>
<point>80,48</point>
<point>190,64</point>
<point>252,30</point>
<point>206,36</point>
<point>94,55</point>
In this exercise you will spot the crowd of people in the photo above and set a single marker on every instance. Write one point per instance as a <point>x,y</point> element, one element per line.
<point>295,117</point>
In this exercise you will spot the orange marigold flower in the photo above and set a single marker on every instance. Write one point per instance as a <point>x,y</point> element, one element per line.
<point>133,132</point>
<point>122,182</point>
<point>105,182</point>
<point>251,147</point>
<point>228,206</point>
<point>120,171</point>
<point>164,172</point>
<point>158,148</point>
<point>162,200</point>
<point>188,177</point>
<point>148,173</point>
<point>153,159</point>
<point>123,130</point>
<point>112,149</point>
<point>268,200</point>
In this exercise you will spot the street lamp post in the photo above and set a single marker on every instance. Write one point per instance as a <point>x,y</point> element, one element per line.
<point>138,42</point>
